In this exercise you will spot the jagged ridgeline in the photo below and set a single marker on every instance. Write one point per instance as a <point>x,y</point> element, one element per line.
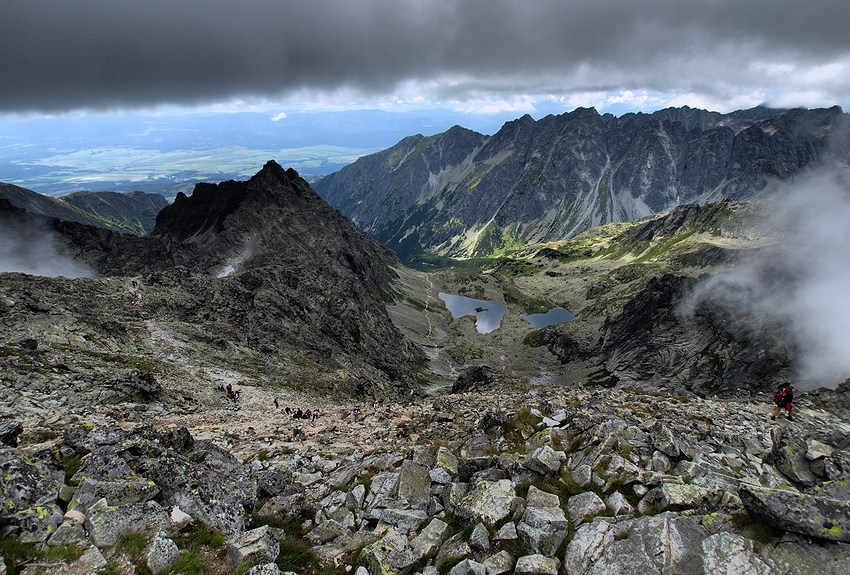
<point>261,278</point>
<point>463,194</point>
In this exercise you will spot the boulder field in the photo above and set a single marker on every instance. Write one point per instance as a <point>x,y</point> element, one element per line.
<point>507,479</point>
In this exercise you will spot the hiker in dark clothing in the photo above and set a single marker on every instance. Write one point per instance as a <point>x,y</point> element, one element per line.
<point>783,398</point>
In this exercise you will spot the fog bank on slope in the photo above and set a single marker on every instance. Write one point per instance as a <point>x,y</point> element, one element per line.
<point>30,248</point>
<point>802,281</point>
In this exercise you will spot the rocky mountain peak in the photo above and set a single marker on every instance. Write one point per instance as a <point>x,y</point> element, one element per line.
<point>551,179</point>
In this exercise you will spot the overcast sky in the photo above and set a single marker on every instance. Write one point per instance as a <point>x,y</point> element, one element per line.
<point>475,55</point>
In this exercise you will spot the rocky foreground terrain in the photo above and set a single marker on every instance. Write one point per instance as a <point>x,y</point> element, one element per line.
<point>633,439</point>
<point>507,478</point>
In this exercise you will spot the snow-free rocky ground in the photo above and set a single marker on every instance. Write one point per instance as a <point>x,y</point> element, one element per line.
<point>508,478</point>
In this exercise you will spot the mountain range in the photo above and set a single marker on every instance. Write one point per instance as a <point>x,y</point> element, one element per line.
<point>633,438</point>
<point>462,194</point>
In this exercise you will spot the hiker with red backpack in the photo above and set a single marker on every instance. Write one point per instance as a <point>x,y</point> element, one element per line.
<point>783,398</point>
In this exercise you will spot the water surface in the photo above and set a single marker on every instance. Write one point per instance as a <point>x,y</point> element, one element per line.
<point>488,314</point>
<point>551,317</point>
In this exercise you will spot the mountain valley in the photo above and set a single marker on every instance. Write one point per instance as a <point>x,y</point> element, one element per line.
<point>634,438</point>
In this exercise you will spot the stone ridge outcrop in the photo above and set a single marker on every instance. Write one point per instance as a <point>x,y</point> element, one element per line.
<point>577,483</point>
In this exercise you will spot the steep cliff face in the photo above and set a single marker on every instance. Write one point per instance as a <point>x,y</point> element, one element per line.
<point>464,194</point>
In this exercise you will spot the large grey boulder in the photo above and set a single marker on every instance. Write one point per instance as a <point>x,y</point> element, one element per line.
<point>390,554</point>
<point>405,520</point>
<point>501,562</point>
<point>789,457</point>
<point>255,547</point>
<point>479,539</point>
<point>583,506</point>
<point>267,569</point>
<point>130,489</point>
<point>543,529</point>
<point>381,490</point>
<point>588,544</point>
<point>672,494</point>
<point>810,515</point>
<point>537,565</point>
<point>430,538</point>
<point>488,502</point>
<point>453,549</point>
<point>414,484</point>
<point>447,460</point>
<point>104,523</point>
<point>657,544</point>
<point>468,567</point>
<point>729,554</point>
<point>161,553</point>
<point>543,460</point>
<point>475,455</point>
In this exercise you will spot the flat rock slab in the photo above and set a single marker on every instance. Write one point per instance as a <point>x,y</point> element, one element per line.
<point>820,517</point>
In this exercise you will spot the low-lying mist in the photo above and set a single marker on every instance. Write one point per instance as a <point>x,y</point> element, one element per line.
<point>30,248</point>
<point>802,281</point>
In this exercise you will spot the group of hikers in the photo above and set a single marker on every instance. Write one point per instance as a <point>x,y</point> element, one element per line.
<point>783,398</point>
<point>298,413</point>
<point>229,392</point>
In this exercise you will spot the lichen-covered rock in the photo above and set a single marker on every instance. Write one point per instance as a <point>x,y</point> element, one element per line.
<point>810,515</point>
<point>161,554</point>
<point>267,569</point>
<point>543,460</point>
<point>537,565</point>
<point>414,484</point>
<point>105,524</point>
<point>501,562</point>
<point>479,539</point>
<point>407,521</point>
<point>475,455</point>
<point>672,495</point>
<point>642,545</point>
<point>468,567</point>
<point>389,555</point>
<point>543,529</point>
<point>729,554</point>
<point>117,493</point>
<point>429,539</point>
<point>789,457</point>
<point>588,544</point>
<point>617,503</point>
<point>29,491</point>
<point>583,506</point>
<point>255,547</point>
<point>447,460</point>
<point>488,502</point>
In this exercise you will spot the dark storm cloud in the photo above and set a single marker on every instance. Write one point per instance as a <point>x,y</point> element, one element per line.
<point>112,53</point>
